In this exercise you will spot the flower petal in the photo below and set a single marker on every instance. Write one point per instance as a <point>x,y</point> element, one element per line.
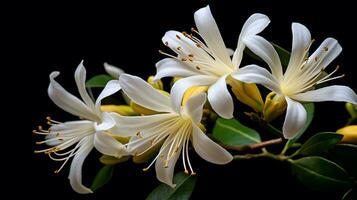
<point>170,67</point>
<point>265,51</point>
<point>110,88</point>
<point>80,77</point>
<point>144,94</point>
<point>112,70</point>
<point>209,31</point>
<point>194,107</point>
<point>209,150</point>
<point>220,98</point>
<point>107,145</point>
<point>67,101</point>
<point>330,93</point>
<point>259,75</point>
<point>75,173</point>
<point>255,24</point>
<point>107,123</point>
<point>295,118</point>
<point>180,87</point>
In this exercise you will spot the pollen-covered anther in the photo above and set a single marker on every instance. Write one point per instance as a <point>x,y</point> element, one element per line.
<point>326,48</point>
<point>178,48</point>
<point>178,37</point>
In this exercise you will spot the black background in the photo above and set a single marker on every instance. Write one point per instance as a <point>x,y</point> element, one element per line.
<point>44,37</point>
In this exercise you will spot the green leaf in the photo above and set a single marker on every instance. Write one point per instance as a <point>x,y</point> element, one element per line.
<point>320,174</point>
<point>346,156</point>
<point>98,81</point>
<point>232,132</point>
<point>103,176</point>
<point>183,190</point>
<point>310,109</point>
<point>319,143</point>
<point>284,55</point>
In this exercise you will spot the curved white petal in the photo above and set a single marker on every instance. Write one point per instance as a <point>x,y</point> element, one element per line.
<point>165,173</point>
<point>110,88</point>
<point>259,75</point>
<point>107,123</point>
<point>80,77</point>
<point>209,31</point>
<point>255,24</point>
<point>112,70</point>
<point>67,101</point>
<point>107,145</point>
<point>220,98</point>
<point>329,93</point>
<point>75,173</point>
<point>295,118</point>
<point>265,51</point>
<point>209,150</point>
<point>194,106</point>
<point>169,67</point>
<point>180,87</point>
<point>300,45</point>
<point>144,94</point>
<point>325,54</point>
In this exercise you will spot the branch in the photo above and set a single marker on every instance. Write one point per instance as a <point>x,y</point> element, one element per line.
<point>259,145</point>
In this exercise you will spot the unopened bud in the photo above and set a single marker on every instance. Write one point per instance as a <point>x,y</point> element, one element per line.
<point>192,91</point>
<point>274,106</point>
<point>349,134</point>
<point>120,109</point>
<point>352,110</point>
<point>155,84</point>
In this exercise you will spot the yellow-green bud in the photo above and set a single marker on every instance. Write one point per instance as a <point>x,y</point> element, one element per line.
<point>247,93</point>
<point>173,80</point>
<point>192,91</point>
<point>352,110</point>
<point>155,84</point>
<point>110,160</point>
<point>274,106</point>
<point>145,111</point>
<point>349,134</point>
<point>120,109</point>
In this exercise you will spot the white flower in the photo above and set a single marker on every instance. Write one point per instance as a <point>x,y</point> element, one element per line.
<point>112,70</point>
<point>206,63</point>
<point>172,129</point>
<point>83,134</point>
<point>303,73</point>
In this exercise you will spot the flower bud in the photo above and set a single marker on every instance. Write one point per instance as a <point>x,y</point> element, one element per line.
<point>173,80</point>
<point>145,111</point>
<point>352,110</point>
<point>155,84</point>
<point>192,91</point>
<point>120,109</point>
<point>349,134</point>
<point>274,106</point>
<point>247,93</point>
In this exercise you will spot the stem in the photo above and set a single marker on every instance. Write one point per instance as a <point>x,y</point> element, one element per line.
<point>259,145</point>
<point>265,154</point>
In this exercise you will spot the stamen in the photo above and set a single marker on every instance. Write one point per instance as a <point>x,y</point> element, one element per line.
<point>178,37</point>
<point>167,43</point>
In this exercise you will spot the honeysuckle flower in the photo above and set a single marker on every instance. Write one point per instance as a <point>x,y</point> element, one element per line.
<point>297,84</point>
<point>206,63</point>
<point>171,129</point>
<point>82,135</point>
<point>112,70</point>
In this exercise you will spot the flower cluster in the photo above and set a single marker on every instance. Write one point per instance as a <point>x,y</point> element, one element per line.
<point>162,126</point>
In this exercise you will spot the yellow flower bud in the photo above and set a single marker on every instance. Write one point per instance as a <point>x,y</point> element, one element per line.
<point>352,110</point>
<point>349,134</point>
<point>192,91</point>
<point>247,93</point>
<point>155,84</point>
<point>274,106</point>
<point>120,109</point>
<point>145,111</point>
<point>110,160</point>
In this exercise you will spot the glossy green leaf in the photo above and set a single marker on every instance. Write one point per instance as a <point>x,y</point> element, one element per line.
<point>232,132</point>
<point>310,109</point>
<point>98,81</point>
<point>103,176</point>
<point>346,156</point>
<point>320,174</point>
<point>183,190</point>
<point>284,55</point>
<point>319,143</point>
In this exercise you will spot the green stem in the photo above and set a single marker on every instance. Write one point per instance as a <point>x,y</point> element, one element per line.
<point>260,145</point>
<point>264,154</point>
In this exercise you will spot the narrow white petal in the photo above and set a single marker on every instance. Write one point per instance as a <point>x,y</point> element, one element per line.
<point>110,88</point>
<point>259,75</point>
<point>255,24</point>
<point>180,87</point>
<point>209,150</point>
<point>169,67</point>
<point>265,51</point>
<point>329,93</point>
<point>80,77</point>
<point>295,118</point>
<point>230,51</point>
<point>326,53</point>
<point>144,94</point>
<point>301,43</point>
<point>220,98</point>
<point>75,173</point>
<point>108,145</point>
<point>194,106</point>
<point>112,70</point>
<point>209,31</point>
<point>67,101</point>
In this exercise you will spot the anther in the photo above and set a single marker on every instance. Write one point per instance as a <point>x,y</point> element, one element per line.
<point>326,48</point>
<point>183,59</point>
<point>198,45</point>
<point>190,55</point>
<point>178,48</point>
<point>178,37</point>
<point>198,68</point>
<point>167,43</point>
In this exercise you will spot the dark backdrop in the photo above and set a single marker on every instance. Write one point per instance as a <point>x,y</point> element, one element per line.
<point>57,36</point>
